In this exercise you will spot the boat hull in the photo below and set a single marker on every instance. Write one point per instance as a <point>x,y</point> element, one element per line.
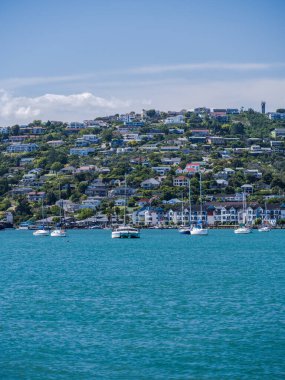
<point>242,231</point>
<point>41,233</point>
<point>185,231</point>
<point>199,231</point>
<point>58,233</point>
<point>125,235</point>
<point>264,229</point>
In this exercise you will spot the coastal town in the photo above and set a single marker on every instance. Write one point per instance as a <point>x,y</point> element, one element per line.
<point>148,164</point>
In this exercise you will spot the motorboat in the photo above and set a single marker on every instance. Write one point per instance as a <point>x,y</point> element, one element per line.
<point>41,232</point>
<point>58,232</point>
<point>199,230</point>
<point>185,230</point>
<point>264,229</point>
<point>242,230</point>
<point>125,232</point>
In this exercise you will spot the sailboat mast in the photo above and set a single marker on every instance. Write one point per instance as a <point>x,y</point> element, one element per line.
<point>201,207</point>
<point>190,205</point>
<point>182,210</point>
<point>125,199</point>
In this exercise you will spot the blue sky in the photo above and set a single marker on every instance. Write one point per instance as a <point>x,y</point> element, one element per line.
<point>70,60</point>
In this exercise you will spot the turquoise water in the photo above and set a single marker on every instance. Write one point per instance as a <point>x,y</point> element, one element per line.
<point>166,306</point>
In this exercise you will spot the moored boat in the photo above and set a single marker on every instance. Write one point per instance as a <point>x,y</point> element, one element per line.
<point>242,230</point>
<point>58,232</point>
<point>41,232</point>
<point>125,232</point>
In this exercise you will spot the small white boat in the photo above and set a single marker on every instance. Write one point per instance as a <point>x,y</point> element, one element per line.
<point>199,230</point>
<point>242,230</point>
<point>41,232</point>
<point>125,232</point>
<point>264,229</point>
<point>185,230</point>
<point>58,233</point>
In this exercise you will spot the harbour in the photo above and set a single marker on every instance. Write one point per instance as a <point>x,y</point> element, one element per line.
<point>163,306</point>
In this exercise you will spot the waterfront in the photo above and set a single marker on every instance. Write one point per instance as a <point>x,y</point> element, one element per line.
<point>165,306</point>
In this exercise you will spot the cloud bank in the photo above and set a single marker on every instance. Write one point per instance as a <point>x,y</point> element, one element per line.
<point>50,106</point>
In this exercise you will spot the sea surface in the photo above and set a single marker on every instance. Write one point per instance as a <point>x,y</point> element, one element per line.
<point>166,306</point>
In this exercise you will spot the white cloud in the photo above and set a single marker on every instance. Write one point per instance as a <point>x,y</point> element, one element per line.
<point>157,69</point>
<point>63,107</point>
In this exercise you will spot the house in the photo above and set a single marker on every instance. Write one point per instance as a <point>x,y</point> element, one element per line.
<point>80,142</point>
<point>86,169</point>
<point>190,168</point>
<point>130,137</point>
<point>221,183</point>
<point>150,183</point>
<point>278,132</point>
<point>171,161</point>
<point>170,148</point>
<point>75,125</point>
<point>81,151</point>
<point>35,196</point>
<point>97,188</point>
<point>38,130</point>
<point>121,191</point>
<point>276,116</point>
<point>91,138</point>
<point>247,188</point>
<point>176,131</point>
<point>55,143</point>
<point>216,140</point>
<point>91,203</point>
<point>199,132</point>
<point>161,170</point>
<point>68,170</point>
<point>20,148</point>
<point>120,202</point>
<point>179,119</point>
<point>143,202</point>
<point>148,216</point>
<point>21,190</point>
<point>180,181</point>
<point>253,173</point>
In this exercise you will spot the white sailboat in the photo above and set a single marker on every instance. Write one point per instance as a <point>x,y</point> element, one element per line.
<point>198,229</point>
<point>41,231</point>
<point>264,226</point>
<point>186,230</point>
<point>243,228</point>
<point>125,231</point>
<point>59,232</point>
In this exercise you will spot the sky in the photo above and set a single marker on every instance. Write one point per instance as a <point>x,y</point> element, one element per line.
<point>72,60</point>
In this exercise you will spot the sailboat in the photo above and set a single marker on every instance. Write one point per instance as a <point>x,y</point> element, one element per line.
<point>125,231</point>
<point>264,227</point>
<point>59,232</point>
<point>199,229</point>
<point>41,231</point>
<point>186,230</point>
<point>243,228</point>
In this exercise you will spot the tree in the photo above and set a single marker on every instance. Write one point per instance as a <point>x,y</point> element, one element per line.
<point>85,213</point>
<point>107,135</point>
<point>237,129</point>
<point>23,207</point>
<point>151,113</point>
<point>56,166</point>
<point>15,130</point>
